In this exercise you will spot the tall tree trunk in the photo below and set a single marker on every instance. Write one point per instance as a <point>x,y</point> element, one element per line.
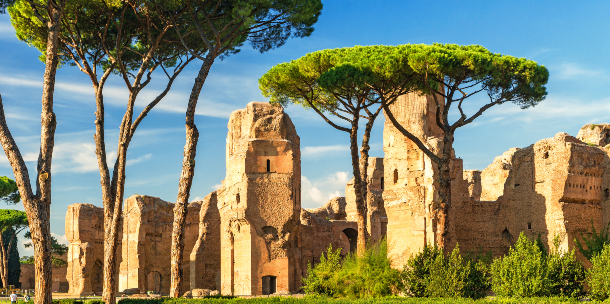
<point>4,260</point>
<point>442,211</point>
<point>360,204</point>
<point>113,210</point>
<point>186,179</point>
<point>37,207</point>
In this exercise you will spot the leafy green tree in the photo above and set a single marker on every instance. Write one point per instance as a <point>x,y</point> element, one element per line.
<point>321,278</point>
<point>223,26</point>
<point>9,193</point>
<point>14,267</point>
<point>131,39</point>
<point>595,243</point>
<point>58,250</point>
<point>453,74</point>
<point>598,274</point>
<point>343,86</point>
<point>37,204</point>
<point>4,4</point>
<point>12,222</point>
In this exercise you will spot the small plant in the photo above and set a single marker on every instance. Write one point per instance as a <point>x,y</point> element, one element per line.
<point>595,243</point>
<point>598,274</point>
<point>593,126</point>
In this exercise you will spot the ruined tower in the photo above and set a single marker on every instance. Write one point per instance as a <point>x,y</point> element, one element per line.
<point>259,203</point>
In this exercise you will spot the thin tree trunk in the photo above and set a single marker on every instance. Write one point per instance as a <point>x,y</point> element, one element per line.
<point>186,179</point>
<point>4,260</point>
<point>360,205</point>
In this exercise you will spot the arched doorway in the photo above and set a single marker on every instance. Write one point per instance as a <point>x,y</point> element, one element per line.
<point>352,236</point>
<point>97,277</point>
<point>154,282</point>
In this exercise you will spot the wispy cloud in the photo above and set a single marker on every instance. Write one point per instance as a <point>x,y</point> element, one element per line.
<point>319,151</point>
<point>7,31</point>
<point>567,71</point>
<point>139,159</point>
<point>216,187</point>
<point>316,193</point>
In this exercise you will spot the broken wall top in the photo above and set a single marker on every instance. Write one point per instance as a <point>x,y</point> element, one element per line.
<point>84,223</point>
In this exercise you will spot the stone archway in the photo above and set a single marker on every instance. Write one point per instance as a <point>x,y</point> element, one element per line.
<point>153,282</point>
<point>97,277</point>
<point>352,236</point>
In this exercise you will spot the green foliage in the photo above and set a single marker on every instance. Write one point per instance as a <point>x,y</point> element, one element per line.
<point>369,275</point>
<point>8,190</point>
<point>598,274</point>
<point>431,274</point>
<point>527,271</point>
<point>320,299</point>
<point>594,243</point>
<point>57,249</point>
<point>321,279</point>
<point>14,269</point>
<point>320,77</point>
<point>67,301</point>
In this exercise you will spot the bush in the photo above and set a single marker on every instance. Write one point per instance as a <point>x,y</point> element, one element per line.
<point>431,274</point>
<point>594,243</point>
<point>321,279</point>
<point>527,271</point>
<point>369,275</point>
<point>598,275</point>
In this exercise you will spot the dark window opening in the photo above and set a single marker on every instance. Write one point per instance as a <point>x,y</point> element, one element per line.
<point>237,198</point>
<point>517,185</point>
<point>606,193</point>
<point>268,165</point>
<point>395,176</point>
<point>381,182</point>
<point>546,155</point>
<point>529,226</point>
<point>269,285</point>
<point>352,236</point>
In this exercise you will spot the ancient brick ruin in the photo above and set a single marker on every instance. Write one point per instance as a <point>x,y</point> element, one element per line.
<point>252,237</point>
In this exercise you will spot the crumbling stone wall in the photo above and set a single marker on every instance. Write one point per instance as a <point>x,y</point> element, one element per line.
<point>260,203</point>
<point>147,238</point>
<point>205,256</point>
<point>376,218</point>
<point>85,232</point>
<point>59,280</point>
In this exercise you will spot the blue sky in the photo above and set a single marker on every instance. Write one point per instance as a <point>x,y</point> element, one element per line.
<point>571,39</point>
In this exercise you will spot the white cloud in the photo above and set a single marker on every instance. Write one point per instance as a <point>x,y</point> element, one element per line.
<point>7,31</point>
<point>316,152</point>
<point>216,187</point>
<point>315,193</point>
<point>573,70</point>
<point>62,239</point>
<point>139,159</point>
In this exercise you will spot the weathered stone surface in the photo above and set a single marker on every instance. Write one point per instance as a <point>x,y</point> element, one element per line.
<point>85,232</point>
<point>59,281</point>
<point>205,256</point>
<point>147,238</point>
<point>334,209</point>
<point>596,134</point>
<point>260,203</point>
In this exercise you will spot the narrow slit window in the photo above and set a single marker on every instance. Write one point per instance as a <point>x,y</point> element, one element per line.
<point>529,226</point>
<point>381,182</point>
<point>268,165</point>
<point>395,176</point>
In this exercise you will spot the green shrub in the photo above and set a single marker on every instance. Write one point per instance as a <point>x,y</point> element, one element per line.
<point>321,279</point>
<point>67,301</point>
<point>595,243</point>
<point>369,275</point>
<point>598,276</point>
<point>431,274</point>
<point>527,271</point>
<point>94,301</point>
